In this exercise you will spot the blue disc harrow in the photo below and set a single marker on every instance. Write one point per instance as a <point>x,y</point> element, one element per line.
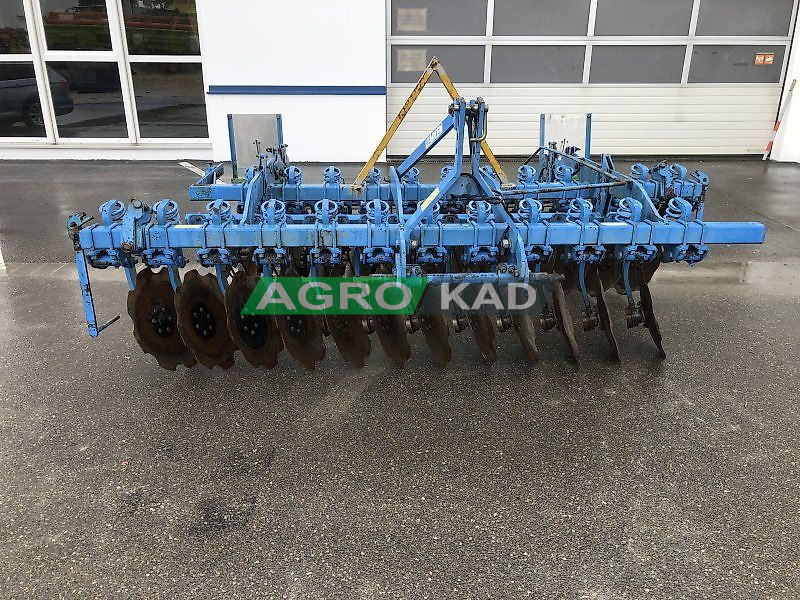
<point>567,219</point>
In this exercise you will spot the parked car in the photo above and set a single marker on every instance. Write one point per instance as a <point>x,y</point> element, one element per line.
<point>19,94</point>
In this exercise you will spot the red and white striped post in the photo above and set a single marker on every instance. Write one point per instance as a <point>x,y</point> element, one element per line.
<point>782,114</point>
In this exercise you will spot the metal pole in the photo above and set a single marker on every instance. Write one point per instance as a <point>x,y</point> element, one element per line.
<point>782,114</point>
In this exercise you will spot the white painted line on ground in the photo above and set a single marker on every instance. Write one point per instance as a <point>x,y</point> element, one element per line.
<point>192,168</point>
<point>2,262</point>
<point>198,171</point>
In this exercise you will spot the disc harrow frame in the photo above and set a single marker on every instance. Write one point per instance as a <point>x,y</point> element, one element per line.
<point>567,219</point>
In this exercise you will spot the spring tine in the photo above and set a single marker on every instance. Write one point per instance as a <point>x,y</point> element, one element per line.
<point>602,309</point>
<point>436,330</point>
<point>523,324</point>
<point>483,329</point>
<point>650,320</point>
<point>564,321</point>
<point>393,336</point>
<point>350,337</point>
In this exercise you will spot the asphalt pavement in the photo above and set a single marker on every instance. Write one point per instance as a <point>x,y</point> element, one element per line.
<point>646,479</point>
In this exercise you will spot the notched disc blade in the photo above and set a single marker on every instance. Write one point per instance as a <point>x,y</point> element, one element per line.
<point>649,268</point>
<point>523,324</point>
<point>643,274</point>
<point>650,320</point>
<point>302,336</point>
<point>393,336</point>
<point>608,275</point>
<point>350,337</point>
<point>151,306</point>
<point>483,330</point>
<point>564,321</point>
<point>602,309</point>
<point>203,321</point>
<point>436,330</point>
<point>256,336</point>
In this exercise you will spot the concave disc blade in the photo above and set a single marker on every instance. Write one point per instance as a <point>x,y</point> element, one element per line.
<point>256,336</point>
<point>644,273</point>
<point>203,321</point>
<point>436,330</point>
<point>602,309</point>
<point>523,324</point>
<point>649,268</point>
<point>564,321</point>
<point>650,320</point>
<point>393,336</point>
<point>302,336</point>
<point>483,333</point>
<point>608,275</point>
<point>350,337</point>
<point>151,306</point>
<point>348,331</point>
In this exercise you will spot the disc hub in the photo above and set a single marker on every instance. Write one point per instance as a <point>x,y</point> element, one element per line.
<point>162,319</point>
<point>254,331</point>
<point>203,321</point>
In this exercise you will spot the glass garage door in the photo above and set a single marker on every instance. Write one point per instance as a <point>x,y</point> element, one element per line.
<point>100,72</point>
<point>660,76</point>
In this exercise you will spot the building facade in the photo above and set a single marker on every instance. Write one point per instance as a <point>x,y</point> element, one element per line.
<point>150,79</point>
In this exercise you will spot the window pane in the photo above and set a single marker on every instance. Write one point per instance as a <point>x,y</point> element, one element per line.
<point>744,17</point>
<point>637,64</point>
<point>76,25</point>
<point>164,27</point>
<point>87,99</point>
<point>20,110</point>
<point>643,17</point>
<point>438,17</point>
<point>537,64</point>
<point>13,33</point>
<point>463,63</point>
<point>543,17</point>
<point>736,64</point>
<point>170,100</point>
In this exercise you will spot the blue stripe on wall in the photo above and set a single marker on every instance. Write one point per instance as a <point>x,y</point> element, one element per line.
<point>299,90</point>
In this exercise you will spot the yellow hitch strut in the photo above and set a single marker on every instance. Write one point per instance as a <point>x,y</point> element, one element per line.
<point>433,67</point>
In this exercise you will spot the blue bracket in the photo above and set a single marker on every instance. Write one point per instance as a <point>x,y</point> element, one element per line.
<point>88,300</point>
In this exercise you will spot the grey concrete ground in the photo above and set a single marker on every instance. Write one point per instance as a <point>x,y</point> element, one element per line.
<point>649,479</point>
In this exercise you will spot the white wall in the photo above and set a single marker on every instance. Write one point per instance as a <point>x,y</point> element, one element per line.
<point>787,144</point>
<point>298,42</point>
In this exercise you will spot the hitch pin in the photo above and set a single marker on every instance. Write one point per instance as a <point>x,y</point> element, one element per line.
<point>88,301</point>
